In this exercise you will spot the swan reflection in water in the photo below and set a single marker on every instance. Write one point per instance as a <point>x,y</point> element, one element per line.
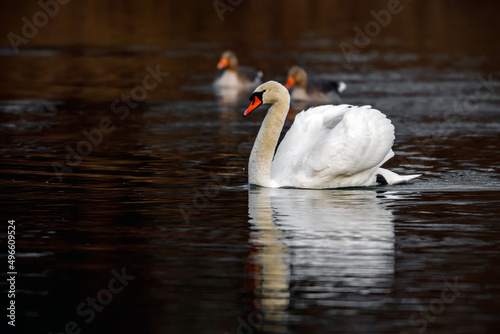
<point>332,248</point>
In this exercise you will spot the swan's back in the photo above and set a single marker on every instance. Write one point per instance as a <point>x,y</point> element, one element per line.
<point>333,146</point>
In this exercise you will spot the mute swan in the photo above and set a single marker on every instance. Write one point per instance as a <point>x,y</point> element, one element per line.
<point>326,147</point>
<point>234,76</point>
<point>321,90</point>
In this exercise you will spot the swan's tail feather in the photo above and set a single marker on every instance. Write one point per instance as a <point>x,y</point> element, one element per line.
<point>393,178</point>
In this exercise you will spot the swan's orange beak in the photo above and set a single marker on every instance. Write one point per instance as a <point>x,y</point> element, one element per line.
<point>222,63</point>
<point>290,82</point>
<point>256,102</point>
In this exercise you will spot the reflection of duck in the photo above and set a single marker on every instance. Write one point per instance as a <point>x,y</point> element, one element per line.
<point>326,147</point>
<point>329,248</point>
<point>228,97</point>
<point>317,90</point>
<point>231,75</point>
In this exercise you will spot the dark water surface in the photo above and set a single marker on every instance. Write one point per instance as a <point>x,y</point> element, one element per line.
<point>161,200</point>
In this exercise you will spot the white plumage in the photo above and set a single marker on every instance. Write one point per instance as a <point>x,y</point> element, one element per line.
<point>326,147</point>
<point>333,146</point>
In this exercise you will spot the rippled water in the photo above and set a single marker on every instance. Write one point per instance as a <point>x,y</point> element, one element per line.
<point>162,199</point>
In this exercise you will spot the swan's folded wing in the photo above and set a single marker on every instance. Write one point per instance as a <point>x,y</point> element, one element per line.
<point>333,142</point>
<point>308,129</point>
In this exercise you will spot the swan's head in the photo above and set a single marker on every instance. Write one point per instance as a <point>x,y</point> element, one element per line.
<point>228,59</point>
<point>296,76</point>
<point>267,93</point>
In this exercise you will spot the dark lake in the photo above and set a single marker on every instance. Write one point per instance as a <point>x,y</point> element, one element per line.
<point>154,229</point>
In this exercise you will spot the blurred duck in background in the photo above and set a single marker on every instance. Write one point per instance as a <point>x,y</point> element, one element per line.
<point>232,75</point>
<point>314,90</point>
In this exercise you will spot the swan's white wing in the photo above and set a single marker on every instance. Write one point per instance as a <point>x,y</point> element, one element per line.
<point>333,146</point>
<point>308,129</point>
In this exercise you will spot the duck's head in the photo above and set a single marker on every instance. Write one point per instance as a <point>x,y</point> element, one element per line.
<point>228,59</point>
<point>268,93</point>
<point>296,76</point>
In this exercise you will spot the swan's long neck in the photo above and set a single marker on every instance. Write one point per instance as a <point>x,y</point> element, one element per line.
<point>259,164</point>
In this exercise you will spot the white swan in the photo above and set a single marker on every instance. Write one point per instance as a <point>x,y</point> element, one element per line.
<point>326,147</point>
